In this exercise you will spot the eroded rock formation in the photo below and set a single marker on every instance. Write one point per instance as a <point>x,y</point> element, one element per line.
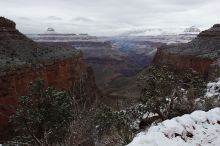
<point>201,54</point>
<point>22,61</point>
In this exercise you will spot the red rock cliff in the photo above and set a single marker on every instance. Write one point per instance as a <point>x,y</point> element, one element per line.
<point>200,54</point>
<point>182,62</point>
<point>22,61</point>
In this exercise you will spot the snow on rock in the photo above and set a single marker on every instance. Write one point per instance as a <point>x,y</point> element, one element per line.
<point>197,129</point>
<point>212,96</point>
<point>213,89</point>
<point>149,115</point>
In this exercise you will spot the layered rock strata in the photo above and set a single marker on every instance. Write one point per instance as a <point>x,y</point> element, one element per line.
<point>201,54</point>
<point>22,61</point>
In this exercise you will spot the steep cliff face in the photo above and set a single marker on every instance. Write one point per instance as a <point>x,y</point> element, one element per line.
<point>183,62</point>
<point>22,61</point>
<point>200,54</point>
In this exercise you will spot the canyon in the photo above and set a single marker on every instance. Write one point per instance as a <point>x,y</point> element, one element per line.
<point>111,59</point>
<point>115,60</point>
<point>76,63</point>
<point>23,60</point>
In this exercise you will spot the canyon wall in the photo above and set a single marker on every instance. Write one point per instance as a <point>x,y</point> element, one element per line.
<point>182,62</point>
<point>22,61</point>
<point>65,75</point>
<point>201,54</point>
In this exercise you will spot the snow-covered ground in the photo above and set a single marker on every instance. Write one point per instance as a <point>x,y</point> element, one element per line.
<point>196,129</point>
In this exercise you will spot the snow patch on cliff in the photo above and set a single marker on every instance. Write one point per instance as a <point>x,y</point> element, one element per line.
<point>213,89</point>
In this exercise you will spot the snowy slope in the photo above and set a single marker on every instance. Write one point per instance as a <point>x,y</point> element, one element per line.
<point>197,129</point>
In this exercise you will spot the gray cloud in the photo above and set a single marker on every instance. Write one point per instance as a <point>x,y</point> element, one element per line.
<point>108,17</point>
<point>24,18</point>
<point>83,19</point>
<point>54,18</point>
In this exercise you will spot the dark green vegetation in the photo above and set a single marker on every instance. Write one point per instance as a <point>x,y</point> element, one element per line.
<point>50,117</point>
<point>171,91</point>
<point>122,123</point>
<point>43,116</point>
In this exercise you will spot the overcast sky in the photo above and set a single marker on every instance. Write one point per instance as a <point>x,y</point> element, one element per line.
<point>108,17</point>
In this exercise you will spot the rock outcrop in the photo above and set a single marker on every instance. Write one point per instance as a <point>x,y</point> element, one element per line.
<point>6,24</point>
<point>22,61</point>
<point>201,54</point>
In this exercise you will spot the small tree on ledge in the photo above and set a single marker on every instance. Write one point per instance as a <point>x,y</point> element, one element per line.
<point>169,93</point>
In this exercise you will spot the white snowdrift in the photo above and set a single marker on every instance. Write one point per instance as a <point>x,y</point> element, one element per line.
<point>197,129</point>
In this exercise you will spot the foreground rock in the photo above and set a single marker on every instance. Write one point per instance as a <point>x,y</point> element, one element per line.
<point>197,129</point>
<point>22,61</point>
